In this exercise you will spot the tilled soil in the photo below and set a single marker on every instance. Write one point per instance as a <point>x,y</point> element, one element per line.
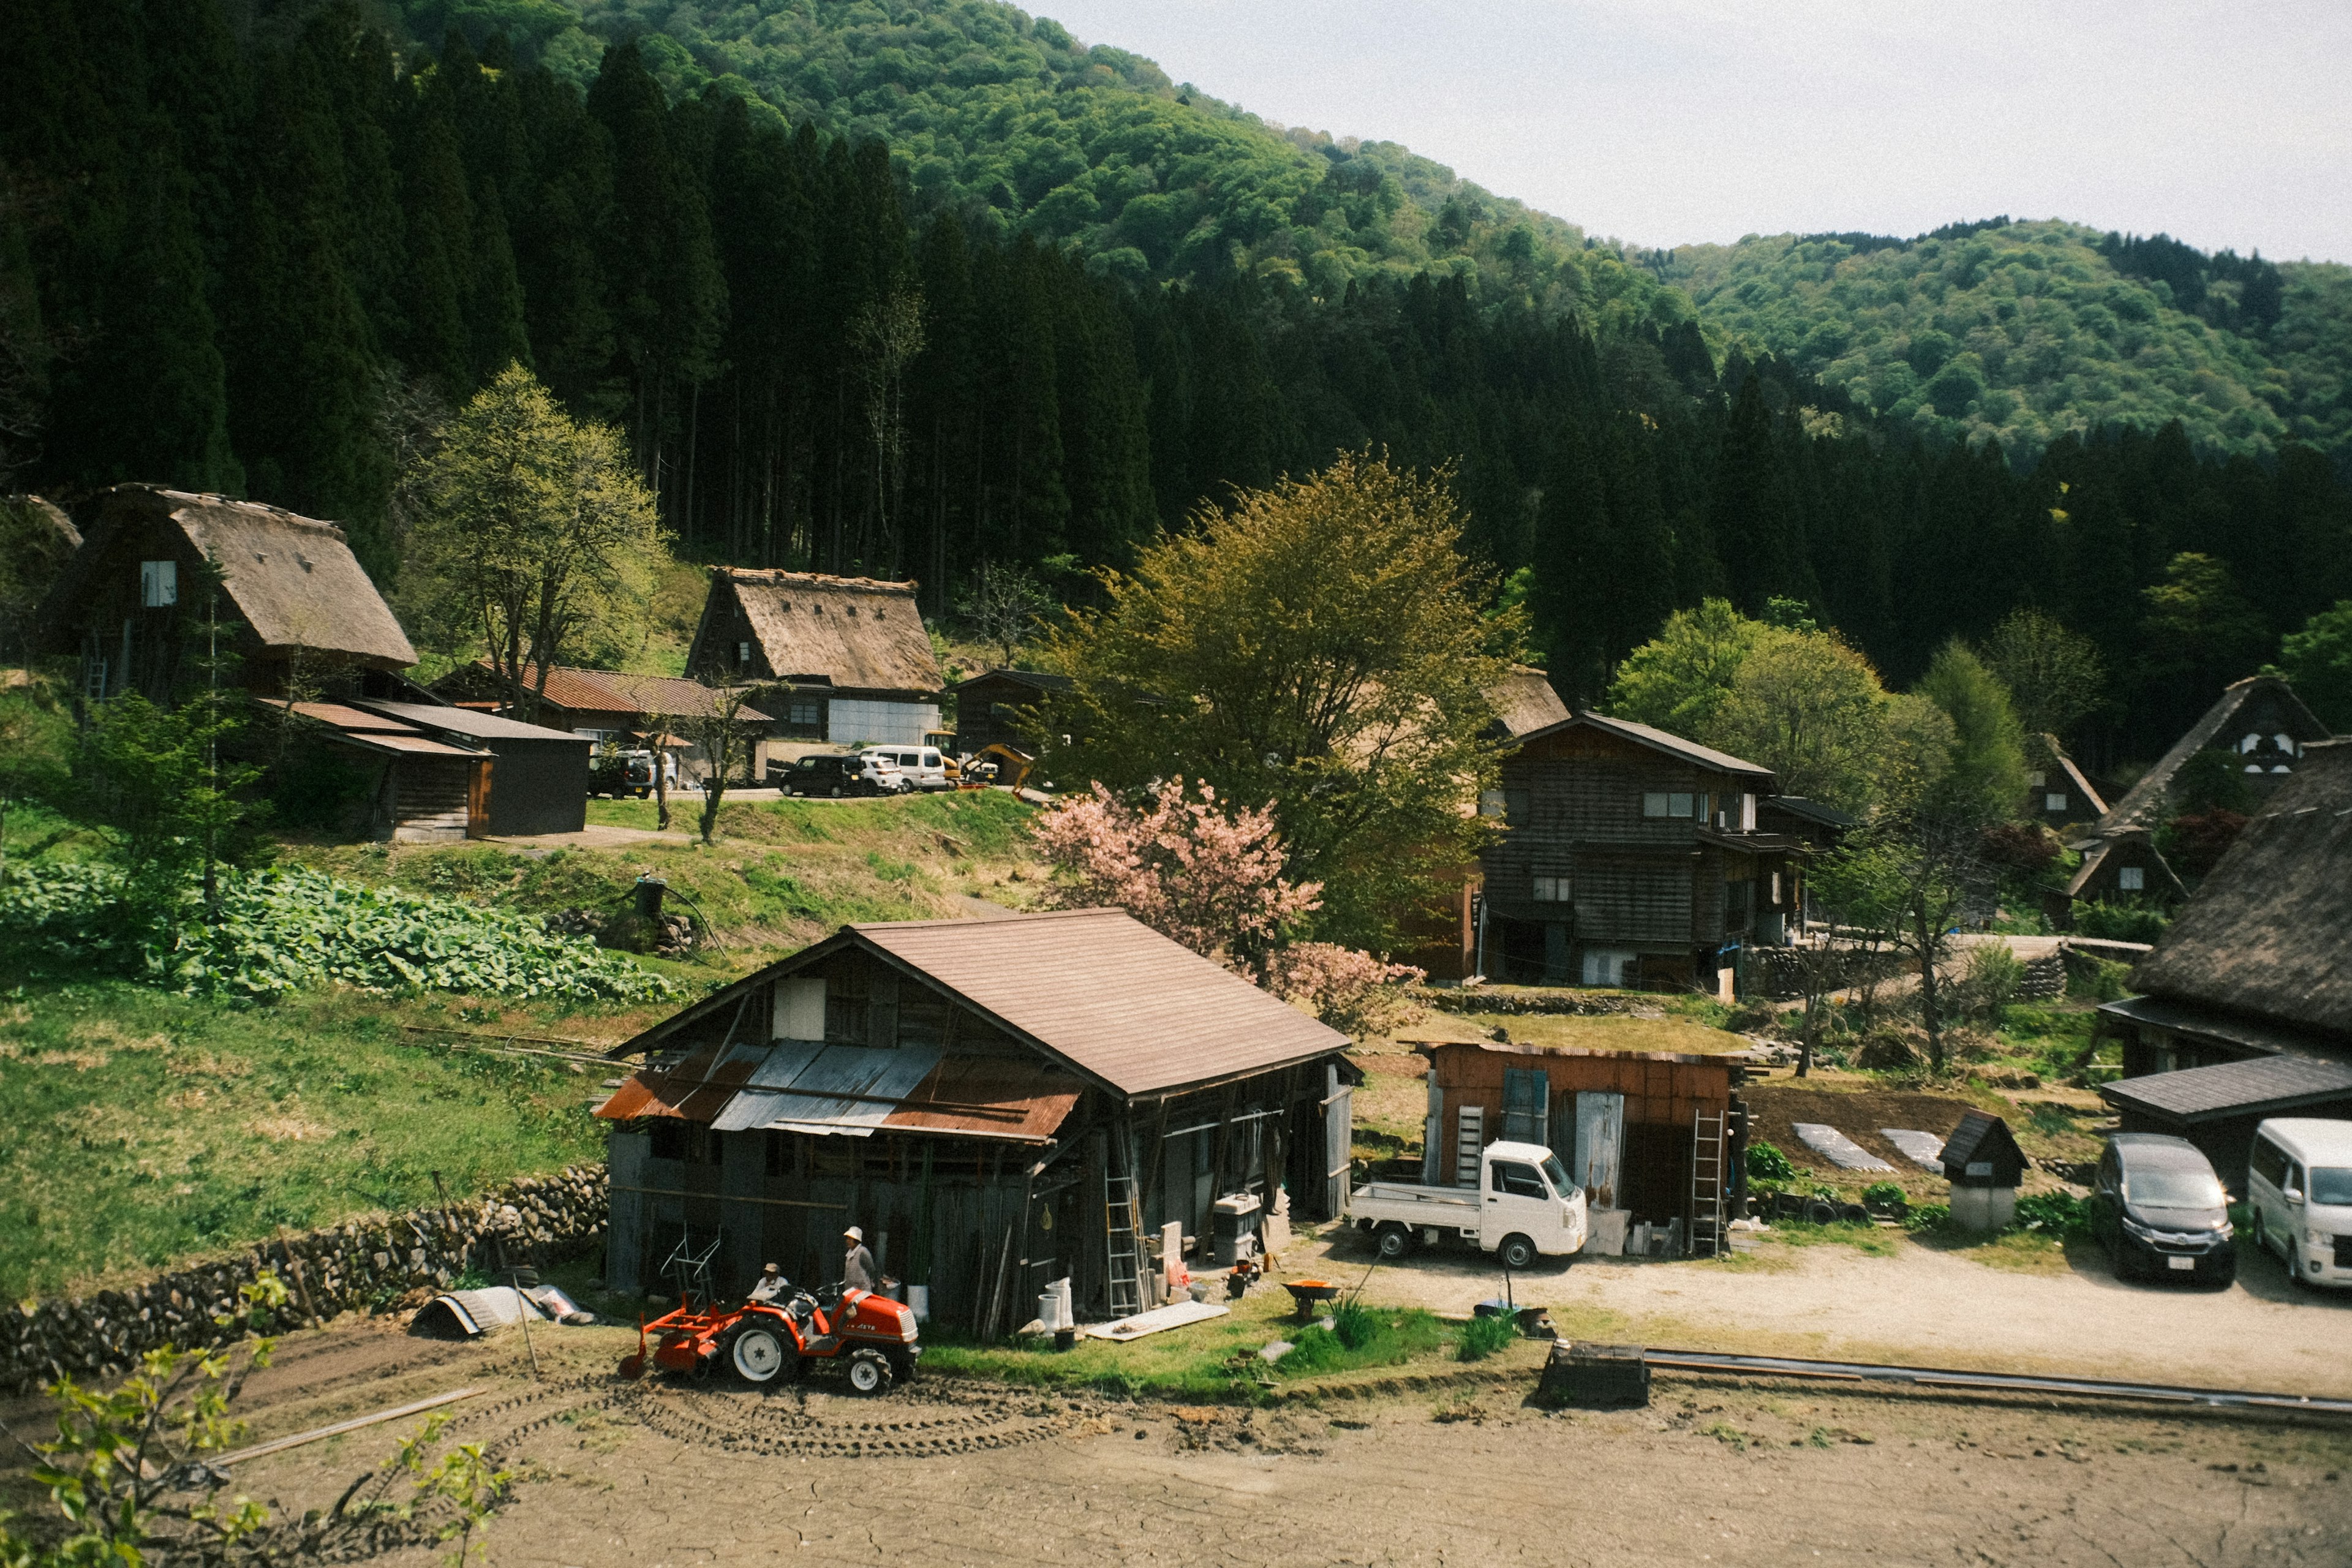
<point>1750,1475</point>
<point>1773,1108</point>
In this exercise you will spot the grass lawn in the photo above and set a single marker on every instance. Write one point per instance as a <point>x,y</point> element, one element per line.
<point>1210,1360</point>
<point>781,873</point>
<point>146,1128</point>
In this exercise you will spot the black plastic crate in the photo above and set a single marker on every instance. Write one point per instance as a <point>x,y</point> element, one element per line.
<point>1595,1376</point>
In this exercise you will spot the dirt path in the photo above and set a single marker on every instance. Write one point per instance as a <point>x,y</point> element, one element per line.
<point>1921,1305</point>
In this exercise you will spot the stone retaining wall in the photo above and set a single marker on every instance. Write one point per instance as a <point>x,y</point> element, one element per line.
<point>1512,1000</point>
<point>361,1263</point>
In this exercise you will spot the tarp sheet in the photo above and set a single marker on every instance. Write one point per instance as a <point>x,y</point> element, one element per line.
<point>1838,1148</point>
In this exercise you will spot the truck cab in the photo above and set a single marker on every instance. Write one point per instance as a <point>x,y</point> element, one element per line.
<point>1524,1206</point>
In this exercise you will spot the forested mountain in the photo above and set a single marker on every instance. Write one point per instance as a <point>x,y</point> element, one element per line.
<point>2021,332</point>
<point>829,269</point>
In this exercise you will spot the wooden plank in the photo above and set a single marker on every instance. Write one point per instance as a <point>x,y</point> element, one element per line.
<point>354,1424</point>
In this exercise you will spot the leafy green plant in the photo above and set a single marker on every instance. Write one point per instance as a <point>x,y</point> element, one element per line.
<point>2127,920</point>
<point>1482,1337</point>
<point>464,1478</point>
<point>279,929</point>
<point>2062,1214</point>
<point>1886,1196</point>
<point>1927,1216</point>
<point>1766,1163</point>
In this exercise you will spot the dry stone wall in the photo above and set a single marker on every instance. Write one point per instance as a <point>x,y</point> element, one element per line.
<point>362,1264</point>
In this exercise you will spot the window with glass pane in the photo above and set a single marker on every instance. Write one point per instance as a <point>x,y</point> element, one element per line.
<point>1551,890</point>
<point>1655,805</point>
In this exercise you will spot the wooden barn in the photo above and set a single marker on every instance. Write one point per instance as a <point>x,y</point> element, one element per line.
<point>2127,869</point>
<point>2059,794</point>
<point>2257,962</point>
<point>1631,857</point>
<point>998,1103</point>
<point>1638,1131</point>
<point>993,707</point>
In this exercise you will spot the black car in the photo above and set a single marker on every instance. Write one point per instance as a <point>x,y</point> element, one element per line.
<point>2160,1212</point>
<point>828,773</point>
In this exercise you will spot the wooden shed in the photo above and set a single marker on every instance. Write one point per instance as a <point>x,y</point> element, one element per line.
<point>537,778</point>
<point>1635,1128</point>
<point>998,1103</point>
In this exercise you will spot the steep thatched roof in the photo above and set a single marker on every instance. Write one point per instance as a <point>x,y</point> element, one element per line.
<point>292,579</point>
<point>851,633</point>
<point>2147,803</point>
<point>1525,703</point>
<point>2269,933</point>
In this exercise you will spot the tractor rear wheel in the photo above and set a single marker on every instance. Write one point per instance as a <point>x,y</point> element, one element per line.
<point>869,1371</point>
<point>758,1353</point>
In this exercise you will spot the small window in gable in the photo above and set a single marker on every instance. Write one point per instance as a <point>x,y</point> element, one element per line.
<point>2249,743</point>
<point>158,583</point>
<point>2054,802</point>
<point>2132,878</point>
<point>2285,743</point>
<point>2037,778</point>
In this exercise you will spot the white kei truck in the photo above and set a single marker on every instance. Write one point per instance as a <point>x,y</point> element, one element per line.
<point>1523,1207</point>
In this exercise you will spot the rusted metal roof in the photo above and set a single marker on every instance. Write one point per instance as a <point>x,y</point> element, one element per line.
<point>413,745</point>
<point>355,719</point>
<point>695,1088</point>
<point>989,1095</point>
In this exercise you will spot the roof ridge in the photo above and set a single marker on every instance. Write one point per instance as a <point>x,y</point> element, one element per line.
<point>945,920</point>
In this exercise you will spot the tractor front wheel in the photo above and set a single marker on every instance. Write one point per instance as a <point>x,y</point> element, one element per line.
<point>758,1353</point>
<point>869,1371</point>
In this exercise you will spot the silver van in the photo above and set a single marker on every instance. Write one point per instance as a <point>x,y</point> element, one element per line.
<point>923,767</point>
<point>2299,1185</point>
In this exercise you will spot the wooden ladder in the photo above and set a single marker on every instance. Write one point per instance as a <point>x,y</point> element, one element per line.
<point>1707,1238</point>
<point>1122,1253</point>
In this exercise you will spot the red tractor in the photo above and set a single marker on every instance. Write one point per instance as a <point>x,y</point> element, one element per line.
<point>782,1330</point>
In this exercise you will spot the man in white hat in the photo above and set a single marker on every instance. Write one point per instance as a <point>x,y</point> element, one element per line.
<point>857,1269</point>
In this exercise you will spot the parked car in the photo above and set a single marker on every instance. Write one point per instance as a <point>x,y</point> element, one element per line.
<point>923,767</point>
<point>618,773</point>
<point>2299,1185</point>
<point>837,774</point>
<point>1529,1208</point>
<point>2159,1210</point>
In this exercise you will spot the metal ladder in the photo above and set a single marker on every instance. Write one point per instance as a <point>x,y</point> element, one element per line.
<point>1707,1186</point>
<point>1122,1252</point>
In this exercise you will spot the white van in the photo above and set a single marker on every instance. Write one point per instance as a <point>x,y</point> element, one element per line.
<point>2299,1185</point>
<point>921,766</point>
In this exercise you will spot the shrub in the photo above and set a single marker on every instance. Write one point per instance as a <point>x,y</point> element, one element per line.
<point>1993,979</point>
<point>1355,1324</point>
<point>2061,1215</point>
<point>1885,1194</point>
<point>1482,1337</point>
<point>1766,1163</point>
<point>1927,1216</point>
<point>2133,919</point>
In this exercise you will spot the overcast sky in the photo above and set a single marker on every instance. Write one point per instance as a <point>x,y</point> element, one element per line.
<point>1673,122</point>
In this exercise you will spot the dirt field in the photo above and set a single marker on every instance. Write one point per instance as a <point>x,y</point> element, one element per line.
<point>1461,1470</point>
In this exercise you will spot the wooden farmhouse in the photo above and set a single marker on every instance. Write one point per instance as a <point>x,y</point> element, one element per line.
<point>994,709</point>
<point>2257,963</point>
<point>606,707</point>
<point>1638,1130</point>
<point>997,1103</point>
<point>301,613</point>
<point>852,661</point>
<point>1631,857</point>
<point>2123,869</point>
<point>2059,794</point>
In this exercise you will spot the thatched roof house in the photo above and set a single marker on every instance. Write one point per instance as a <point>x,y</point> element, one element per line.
<point>2259,962</point>
<point>291,584</point>
<point>2259,720</point>
<point>852,650</point>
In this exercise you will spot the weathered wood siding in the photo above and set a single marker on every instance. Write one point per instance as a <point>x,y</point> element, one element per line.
<point>1662,1095</point>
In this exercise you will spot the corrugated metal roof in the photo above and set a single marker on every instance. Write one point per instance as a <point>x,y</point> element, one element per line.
<point>846,1089</point>
<point>342,717</point>
<point>2232,1088</point>
<point>695,1088</point>
<point>1001,1098</point>
<point>415,745</point>
<point>1110,996</point>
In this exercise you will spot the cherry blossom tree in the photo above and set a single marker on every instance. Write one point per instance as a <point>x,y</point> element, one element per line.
<point>1211,880</point>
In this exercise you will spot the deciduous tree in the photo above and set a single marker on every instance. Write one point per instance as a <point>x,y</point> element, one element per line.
<point>533,526</point>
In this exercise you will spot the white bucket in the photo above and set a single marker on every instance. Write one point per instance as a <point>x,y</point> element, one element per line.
<point>918,1301</point>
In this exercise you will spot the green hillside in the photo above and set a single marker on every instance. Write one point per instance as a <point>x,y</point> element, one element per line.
<point>1006,121</point>
<point>2023,331</point>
